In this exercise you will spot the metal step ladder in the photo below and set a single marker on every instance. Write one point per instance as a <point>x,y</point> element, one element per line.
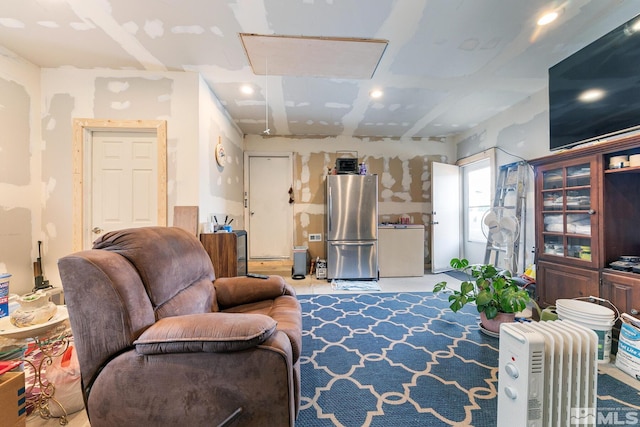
<point>509,201</point>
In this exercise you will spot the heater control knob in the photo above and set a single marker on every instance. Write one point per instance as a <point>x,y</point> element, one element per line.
<point>512,370</point>
<point>511,392</point>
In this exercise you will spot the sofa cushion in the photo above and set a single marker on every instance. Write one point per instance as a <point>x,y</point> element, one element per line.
<point>234,291</point>
<point>286,311</point>
<point>205,332</point>
<point>170,261</point>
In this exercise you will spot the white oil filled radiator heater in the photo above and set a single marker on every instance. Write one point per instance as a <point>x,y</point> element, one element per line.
<point>547,374</point>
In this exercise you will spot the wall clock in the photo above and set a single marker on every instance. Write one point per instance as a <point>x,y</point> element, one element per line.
<point>220,155</point>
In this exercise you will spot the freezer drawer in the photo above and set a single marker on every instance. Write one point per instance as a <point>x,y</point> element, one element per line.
<point>352,260</point>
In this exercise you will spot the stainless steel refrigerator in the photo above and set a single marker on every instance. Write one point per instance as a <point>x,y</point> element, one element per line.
<point>352,227</point>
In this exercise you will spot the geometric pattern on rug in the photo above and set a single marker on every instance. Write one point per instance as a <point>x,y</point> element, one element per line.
<point>403,359</point>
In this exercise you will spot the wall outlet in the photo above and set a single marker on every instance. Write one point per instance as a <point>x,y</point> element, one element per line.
<point>315,237</point>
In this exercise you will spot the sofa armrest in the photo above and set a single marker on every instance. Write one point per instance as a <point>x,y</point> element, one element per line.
<point>205,332</point>
<point>233,291</point>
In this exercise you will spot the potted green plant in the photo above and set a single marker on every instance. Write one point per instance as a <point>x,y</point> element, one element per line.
<point>495,293</point>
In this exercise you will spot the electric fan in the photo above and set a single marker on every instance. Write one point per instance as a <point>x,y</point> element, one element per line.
<point>501,227</point>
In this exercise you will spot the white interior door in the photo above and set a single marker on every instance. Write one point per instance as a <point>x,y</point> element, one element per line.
<point>445,224</point>
<point>123,189</point>
<point>270,215</point>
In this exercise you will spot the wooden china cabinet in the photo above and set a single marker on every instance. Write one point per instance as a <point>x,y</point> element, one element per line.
<point>587,216</point>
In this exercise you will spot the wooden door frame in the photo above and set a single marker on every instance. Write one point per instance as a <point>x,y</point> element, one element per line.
<point>82,134</point>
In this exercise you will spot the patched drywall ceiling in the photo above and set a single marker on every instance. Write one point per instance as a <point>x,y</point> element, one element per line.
<point>448,65</point>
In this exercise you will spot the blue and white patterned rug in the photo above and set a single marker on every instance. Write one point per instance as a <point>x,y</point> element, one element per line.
<point>405,359</point>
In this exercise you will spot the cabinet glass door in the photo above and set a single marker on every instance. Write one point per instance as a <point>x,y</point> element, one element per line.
<point>566,218</point>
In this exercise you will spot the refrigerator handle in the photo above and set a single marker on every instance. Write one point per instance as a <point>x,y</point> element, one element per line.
<point>330,208</point>
<point>359,243</point>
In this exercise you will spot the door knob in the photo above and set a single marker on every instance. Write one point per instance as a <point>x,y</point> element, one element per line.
<point>97,230</point>
<point>252,212</point>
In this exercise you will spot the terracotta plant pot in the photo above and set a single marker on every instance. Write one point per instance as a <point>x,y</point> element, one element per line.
<point>493,325</point>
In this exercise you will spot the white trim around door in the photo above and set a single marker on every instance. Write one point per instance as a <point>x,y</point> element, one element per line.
<point>82,135</point>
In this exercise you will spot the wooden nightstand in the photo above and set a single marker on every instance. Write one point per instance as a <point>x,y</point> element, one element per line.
<point>228,252</point>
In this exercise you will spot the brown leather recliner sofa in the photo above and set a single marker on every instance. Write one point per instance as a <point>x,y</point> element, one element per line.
<point>161,342</point>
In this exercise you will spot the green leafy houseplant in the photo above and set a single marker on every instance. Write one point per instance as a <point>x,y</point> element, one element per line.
<point>492,290</point>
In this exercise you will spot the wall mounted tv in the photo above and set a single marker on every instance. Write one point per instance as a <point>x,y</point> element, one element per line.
<point>596,91</point>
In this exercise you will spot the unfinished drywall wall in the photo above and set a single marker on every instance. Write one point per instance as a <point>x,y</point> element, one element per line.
<point>122,97</point>
<point>221,185</point>
<point>36,155</point>
<point>520,133</point>
<point>129,95</point>
<point>104,94</point>
<point>14,122</point>
<point>20,153</point>
<point>404,178</point>
<point>15,230</point>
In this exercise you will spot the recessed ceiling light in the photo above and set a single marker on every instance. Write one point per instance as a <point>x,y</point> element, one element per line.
<point>548,18</point>
<point>246,89</point>
<point>376,93</point>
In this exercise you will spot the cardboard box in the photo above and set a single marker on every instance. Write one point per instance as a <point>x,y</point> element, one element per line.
<point>13,400</point>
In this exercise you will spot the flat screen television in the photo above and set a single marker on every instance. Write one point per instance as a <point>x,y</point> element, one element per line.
<point>595,92</point>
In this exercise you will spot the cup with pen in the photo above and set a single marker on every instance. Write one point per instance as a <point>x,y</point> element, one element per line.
<point>224,227</point>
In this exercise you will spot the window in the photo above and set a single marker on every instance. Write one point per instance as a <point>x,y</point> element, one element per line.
<point>478,181</point>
